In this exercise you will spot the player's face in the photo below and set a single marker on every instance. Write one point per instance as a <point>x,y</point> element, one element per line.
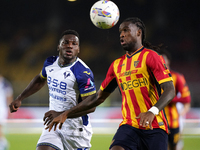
<point>128,35</point>
<point>68,48</point>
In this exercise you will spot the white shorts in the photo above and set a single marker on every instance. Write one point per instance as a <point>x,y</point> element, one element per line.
<point>63,140</point>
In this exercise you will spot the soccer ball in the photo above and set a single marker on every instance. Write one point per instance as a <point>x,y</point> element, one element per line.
<point>104,14</point>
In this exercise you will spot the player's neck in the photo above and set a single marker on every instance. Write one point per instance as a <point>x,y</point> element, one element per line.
<point>134,49</point>
<point>64,63</point>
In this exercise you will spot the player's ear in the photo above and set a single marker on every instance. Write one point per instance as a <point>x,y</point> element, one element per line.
<point>139,32</point>
<point>58,48</point>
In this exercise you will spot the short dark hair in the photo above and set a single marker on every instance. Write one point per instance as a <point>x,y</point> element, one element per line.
<point>69,31</point>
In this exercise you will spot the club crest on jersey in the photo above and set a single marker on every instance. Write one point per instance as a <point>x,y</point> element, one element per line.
<point>66,75</point>
<point>136,63</point>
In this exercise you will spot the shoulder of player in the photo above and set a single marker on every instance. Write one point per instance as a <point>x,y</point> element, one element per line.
<point>119,59</point>
<point>152,55</point>
<point>80,64</point>
<point>51,59</point>
<point>80,67</point>
<point>6,83</point>
<point>150,51</point>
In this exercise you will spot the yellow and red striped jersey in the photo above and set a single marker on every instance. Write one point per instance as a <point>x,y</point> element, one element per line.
<point>138,77</point>
<point>182,95</point>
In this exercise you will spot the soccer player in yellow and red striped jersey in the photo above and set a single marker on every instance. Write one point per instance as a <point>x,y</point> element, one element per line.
<point>140,75</point>
<point>182,96</point>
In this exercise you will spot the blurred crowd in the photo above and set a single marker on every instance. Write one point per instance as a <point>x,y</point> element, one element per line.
<point>30,30</point>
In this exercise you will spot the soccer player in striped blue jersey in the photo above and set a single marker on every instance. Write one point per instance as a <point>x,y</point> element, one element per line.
<point>70,81</point>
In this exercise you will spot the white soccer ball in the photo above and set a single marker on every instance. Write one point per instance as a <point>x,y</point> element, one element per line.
<point>104,14</point>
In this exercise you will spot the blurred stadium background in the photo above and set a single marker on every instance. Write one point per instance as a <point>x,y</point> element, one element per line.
<point>30,30</point>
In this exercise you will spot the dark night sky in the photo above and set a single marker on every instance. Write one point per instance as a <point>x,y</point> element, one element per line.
<point>24,24</point>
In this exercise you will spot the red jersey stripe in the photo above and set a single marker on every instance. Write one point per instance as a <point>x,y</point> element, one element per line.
<point>120,65</point>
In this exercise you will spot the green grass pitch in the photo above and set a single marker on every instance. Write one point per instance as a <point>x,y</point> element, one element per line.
<point>99,142</point>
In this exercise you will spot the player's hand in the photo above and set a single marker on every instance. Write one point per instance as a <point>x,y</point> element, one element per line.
<point>49,116</point>
<point>146,119</point>
<point>58,120</point>
<point>14,106</point>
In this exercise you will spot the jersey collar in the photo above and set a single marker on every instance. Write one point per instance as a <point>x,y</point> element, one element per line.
<point>137,51</point>
<point>66,65</point>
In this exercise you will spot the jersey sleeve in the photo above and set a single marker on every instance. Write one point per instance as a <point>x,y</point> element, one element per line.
<point>47,62</point>
<point>85,80</point>
<point>110,83</point>
<point>182,90</point>
<point>157,66</point>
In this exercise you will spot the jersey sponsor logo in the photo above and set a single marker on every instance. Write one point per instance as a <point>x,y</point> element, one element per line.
<point>88,73</point>
<point>57,90</point>
<point>127,73</point>
<point>54,96</point>
<point>128,85</point>
<point>51,70</point>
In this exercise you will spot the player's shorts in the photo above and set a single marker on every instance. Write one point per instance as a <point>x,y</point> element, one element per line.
<point>174,136</point>
<point>131,138</point>
<point>78,140</point>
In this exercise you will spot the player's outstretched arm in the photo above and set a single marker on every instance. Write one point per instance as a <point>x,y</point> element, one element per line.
<point>35,85</point>
<point>86,106</point>
<point>53,118</point>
